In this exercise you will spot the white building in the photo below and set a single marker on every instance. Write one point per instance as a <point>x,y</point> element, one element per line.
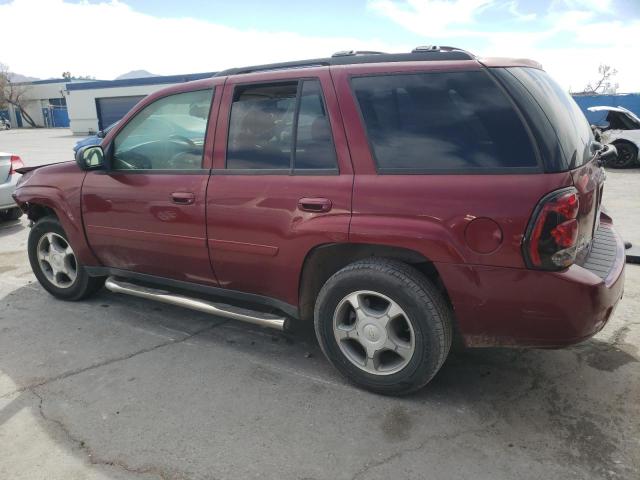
<point>44,101</point>
<point>86,106</point>
<point>94,106</point>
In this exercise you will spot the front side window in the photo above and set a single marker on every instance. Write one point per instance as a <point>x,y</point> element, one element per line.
<point>454,121</point>
<point>282,126</point>
<point>167,134</point>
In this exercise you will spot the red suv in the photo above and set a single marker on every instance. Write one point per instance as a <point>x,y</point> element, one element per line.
<point>391,199</point>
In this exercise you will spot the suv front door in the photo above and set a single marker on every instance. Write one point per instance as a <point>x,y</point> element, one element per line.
<point>146,211</point>
<point>281,183</point>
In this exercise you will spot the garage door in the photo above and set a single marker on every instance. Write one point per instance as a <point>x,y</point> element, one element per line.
<point>112,109</point>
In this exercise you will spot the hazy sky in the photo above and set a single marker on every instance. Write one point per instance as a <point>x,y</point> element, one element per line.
<point>107,38</point>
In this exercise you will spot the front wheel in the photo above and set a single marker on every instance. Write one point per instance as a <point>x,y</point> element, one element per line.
<point>627,156</point>
<point>55,264</point>
<point>383,325</point>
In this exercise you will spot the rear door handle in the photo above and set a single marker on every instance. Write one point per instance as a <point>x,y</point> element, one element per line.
<point>183,198</point>
<point>315,205</point>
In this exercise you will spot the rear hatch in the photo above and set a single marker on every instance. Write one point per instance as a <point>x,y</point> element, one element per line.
<point>566,142</point>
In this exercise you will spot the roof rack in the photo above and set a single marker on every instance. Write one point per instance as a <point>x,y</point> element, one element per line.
<point>351,53</point>
<point>348,57</point>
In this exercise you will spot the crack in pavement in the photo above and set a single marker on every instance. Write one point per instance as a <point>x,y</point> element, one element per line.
<point>449,436</point>
<point>93,458</point>
<point>82,445</point>
<point>109,361</point>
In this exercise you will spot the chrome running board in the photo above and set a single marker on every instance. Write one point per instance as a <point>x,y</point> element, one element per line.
<point>250,316</point>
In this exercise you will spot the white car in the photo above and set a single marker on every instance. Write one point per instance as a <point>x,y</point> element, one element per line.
<point>620,127</point>
<point>9,163</point>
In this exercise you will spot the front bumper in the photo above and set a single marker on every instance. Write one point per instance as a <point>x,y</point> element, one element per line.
<point>498,306</point>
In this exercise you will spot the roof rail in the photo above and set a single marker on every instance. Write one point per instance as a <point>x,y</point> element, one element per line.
<point>351,53</point>
<point>439,48</point>
<point>349,57</point>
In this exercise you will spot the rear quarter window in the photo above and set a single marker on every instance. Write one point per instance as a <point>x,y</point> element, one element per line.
<point>569,123</point>
<point>442,122</point>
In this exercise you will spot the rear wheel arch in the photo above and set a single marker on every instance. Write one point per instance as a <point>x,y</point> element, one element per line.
<point>323,261</point>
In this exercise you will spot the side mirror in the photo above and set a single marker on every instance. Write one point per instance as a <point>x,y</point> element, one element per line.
<point>90,157</point>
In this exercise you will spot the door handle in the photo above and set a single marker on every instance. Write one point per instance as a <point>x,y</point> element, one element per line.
<point>183,198</point>
<point>315,205</point>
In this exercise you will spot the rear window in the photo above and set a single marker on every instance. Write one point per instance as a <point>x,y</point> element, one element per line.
<point>571,126</point>
<point>455,121</point>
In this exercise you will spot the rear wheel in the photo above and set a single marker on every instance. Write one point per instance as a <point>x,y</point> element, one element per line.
<point>627,155</point>
<point>383,325</point>
<point>55,264</point>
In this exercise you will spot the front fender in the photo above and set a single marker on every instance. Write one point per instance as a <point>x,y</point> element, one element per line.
<point>58,187</point>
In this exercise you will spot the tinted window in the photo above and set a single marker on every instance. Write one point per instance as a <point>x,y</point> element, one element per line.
<point>314,147</point>
<point>442,121</point>
<point>570,124</point>
<point>167,134</point>
<point>262,124</point>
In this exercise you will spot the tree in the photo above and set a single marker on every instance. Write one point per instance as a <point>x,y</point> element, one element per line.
<point>604,83</point>
<point>67,76</point>
<point>13,94</point>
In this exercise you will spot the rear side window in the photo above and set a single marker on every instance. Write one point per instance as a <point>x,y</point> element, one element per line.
<point>455,121</point>
<point>568,121</point>
<point>281,126</point>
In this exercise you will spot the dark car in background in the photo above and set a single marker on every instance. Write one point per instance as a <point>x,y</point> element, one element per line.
<point>94,139</point>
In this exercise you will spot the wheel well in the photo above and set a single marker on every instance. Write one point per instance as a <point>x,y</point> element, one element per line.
<point>35,212</point>
<point>325,260</point>
<point>628,142</point>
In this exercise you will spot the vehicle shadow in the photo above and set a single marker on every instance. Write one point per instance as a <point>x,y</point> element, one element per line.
<point>584,397</point>
<point>10,227</point>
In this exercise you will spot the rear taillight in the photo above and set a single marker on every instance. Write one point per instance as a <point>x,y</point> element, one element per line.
<point>16,163</point>
<point>552,235</point>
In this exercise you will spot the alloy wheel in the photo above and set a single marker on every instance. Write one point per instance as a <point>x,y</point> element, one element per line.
<point>57,260</point>
<point>373,332</point>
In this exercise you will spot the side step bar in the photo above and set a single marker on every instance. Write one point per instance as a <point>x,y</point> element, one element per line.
<point>257,318</point>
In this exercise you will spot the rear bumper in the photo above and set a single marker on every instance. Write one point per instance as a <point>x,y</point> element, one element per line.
<point>518,307</point>
<point>6,190</point>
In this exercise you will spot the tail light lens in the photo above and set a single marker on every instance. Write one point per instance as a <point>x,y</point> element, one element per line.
<point>16,162</point>
<point>552,235</point>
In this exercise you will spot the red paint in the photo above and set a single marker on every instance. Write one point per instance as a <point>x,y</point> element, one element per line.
<point>252,233</point>
<point>483,235</point>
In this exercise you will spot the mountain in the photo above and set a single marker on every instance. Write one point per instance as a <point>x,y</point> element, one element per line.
<point>135,74</point>
<point>17,78</point>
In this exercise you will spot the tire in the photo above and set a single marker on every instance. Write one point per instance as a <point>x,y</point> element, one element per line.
<point>12,214</point>
<point>627,155</point>
<point>47,235</point>
<point>422,333</point>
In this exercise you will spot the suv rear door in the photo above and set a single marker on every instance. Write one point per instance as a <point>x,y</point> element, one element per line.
<point>281,182</point>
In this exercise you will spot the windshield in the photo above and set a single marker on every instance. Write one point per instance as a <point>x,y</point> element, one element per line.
<point>571,126</point>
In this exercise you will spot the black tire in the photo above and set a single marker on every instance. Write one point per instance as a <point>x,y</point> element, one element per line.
<point>627,155</point>
<point>83,285</point>
<point>12,214</point>
<point>429,315</point>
